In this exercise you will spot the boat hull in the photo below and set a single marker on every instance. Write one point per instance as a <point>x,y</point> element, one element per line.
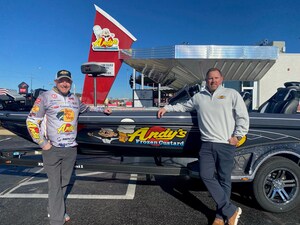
<point>138,132</point>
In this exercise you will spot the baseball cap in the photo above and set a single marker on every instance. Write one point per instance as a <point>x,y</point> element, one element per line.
<point>63,73</point>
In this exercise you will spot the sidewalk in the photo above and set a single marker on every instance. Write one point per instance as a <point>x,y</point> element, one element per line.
<point>5,132</point>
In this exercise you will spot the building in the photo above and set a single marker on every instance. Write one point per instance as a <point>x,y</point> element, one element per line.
<point>286,68</point>
<point>259,69</point>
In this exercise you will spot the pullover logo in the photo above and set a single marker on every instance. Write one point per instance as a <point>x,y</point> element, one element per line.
<point>66,115</point>
<point>66,128</point>
<point>34,130</point>
<point>35,109</point>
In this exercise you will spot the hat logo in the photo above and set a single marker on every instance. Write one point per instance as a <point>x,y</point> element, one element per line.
<point>63,72</point>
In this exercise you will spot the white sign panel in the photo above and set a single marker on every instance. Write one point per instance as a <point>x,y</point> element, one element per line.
<point>110,69</point>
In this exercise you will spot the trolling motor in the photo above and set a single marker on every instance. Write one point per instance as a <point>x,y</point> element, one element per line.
<point>94,69</point>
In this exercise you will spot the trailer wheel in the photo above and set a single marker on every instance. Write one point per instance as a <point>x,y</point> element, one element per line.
<point>276,185</point>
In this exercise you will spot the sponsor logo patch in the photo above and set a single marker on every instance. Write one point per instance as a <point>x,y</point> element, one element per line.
<point>66,115</point>
<point>34,130</point>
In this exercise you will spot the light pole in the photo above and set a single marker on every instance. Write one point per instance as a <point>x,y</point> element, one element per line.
<point>93,69</point>
<point>31,89</point>
<point>31,77</point>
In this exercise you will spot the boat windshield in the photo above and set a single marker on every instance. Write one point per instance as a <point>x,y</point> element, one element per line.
<point>184,94</point>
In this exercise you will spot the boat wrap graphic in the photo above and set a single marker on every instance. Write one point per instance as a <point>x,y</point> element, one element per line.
<point>155,136</point>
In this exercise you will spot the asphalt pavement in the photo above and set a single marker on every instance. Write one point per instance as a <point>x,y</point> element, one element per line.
<point>103,198</point>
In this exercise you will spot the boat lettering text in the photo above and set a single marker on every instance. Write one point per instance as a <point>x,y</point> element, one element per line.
<point>157,133</point>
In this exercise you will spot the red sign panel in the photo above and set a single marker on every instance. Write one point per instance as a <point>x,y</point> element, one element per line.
<point>108,37</point>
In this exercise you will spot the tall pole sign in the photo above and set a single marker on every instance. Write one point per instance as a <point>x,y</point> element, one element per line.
<point>108,37</point>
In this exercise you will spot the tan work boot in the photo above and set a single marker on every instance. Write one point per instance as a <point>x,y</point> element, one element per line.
<point>218,221</point>
<point>235,217</point>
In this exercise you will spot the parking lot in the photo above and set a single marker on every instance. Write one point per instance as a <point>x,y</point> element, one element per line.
<point>97,197</point>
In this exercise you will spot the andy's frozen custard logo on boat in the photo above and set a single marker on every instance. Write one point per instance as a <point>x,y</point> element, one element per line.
<point>153,136</point>
<point>158,136</point>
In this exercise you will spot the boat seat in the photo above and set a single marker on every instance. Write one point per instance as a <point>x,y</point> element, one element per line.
<point>247,99</point>
<point>292,84</point>
<point>285,100</point>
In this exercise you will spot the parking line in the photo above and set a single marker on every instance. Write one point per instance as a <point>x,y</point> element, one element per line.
<point>130,193</point>
<point>5,139</point>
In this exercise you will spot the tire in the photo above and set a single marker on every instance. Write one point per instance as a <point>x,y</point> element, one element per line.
<point>276,185</point>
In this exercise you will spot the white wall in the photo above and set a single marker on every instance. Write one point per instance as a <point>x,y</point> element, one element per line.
<point>286,68</point>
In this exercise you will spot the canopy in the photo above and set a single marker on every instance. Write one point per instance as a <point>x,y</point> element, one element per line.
<point>176,66</point>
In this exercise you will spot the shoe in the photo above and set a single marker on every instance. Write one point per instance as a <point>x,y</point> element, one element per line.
<point>218,221</point>
<point>67,217</point>
<point>235,217</point>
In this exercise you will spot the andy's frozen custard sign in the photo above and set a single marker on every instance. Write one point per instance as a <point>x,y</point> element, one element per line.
<point>105,40</point>
<point>108,37</point>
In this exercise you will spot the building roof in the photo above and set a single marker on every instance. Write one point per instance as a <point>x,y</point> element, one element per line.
<point>176,66</point>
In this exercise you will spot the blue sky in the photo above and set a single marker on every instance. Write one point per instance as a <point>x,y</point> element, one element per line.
<point>40,37</point>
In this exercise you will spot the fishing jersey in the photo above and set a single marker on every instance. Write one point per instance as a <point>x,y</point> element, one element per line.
<point>221,115</point>
<point>54,118</point>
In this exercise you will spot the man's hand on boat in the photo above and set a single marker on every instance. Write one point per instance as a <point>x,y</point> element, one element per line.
<point>161,112</point>
<point>107,111</point>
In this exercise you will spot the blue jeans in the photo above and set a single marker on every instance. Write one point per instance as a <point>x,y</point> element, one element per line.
<point>216,163</point>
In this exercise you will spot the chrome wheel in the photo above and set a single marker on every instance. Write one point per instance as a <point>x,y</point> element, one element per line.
<point>276,185</point>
